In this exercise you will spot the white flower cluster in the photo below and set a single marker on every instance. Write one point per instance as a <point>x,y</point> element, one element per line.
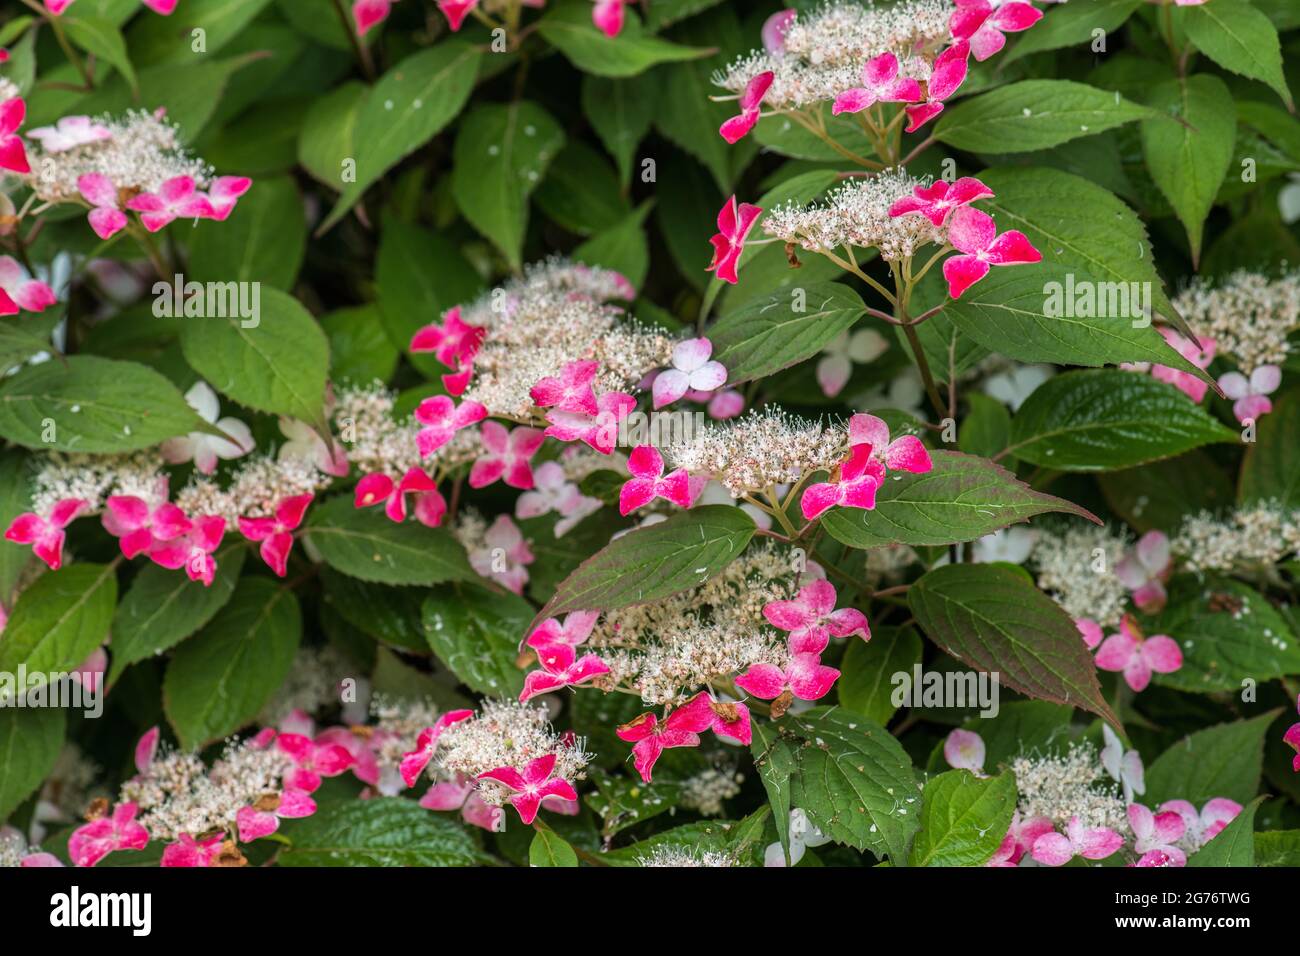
<point>675,855</point>
<point>1077,568</point>
<point>1061,787</point>
<point>96,478</point>
<point>1247,538</point>
<point>857,214</point>
<point>825,49</point>
<point>141,152</point>
<point>1249,316</point>
<point>556,313</point>
<point>378,442</point>
<point>706,791</point>
<point>258,483</point>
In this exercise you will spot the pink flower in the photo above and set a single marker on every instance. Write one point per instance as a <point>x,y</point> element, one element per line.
<point>650,736</point>
<point>608,16</point>
<point>188,852</point>
<point>304,444</point>
<point>13,154</point>
<point>205,449</point>
<point>106,218</point>
<point>1292,739</point>
<point>691,370</point>
<point>462,795</point>
<point>313,759</point>
<point>454,343</point>
<point>812,620</point>
<point>734,223</point>
<point>45,534</point>
<point>984,23</point>
<point>964,750</point>
<point>442,418</point>
<point>1145,569</point>
<point>1204,826</point>
<point>572,391</point>
<point>224,193</point>
<point>948,73</point>
<point>276,533</point>
<point>368,13</point>
<point>508,454</point>
<point>69,133</point>
<point>1090,630</point>
<point>561,667</point>
<point>881,84</point>
<point>937,201</point>
<point>552,491</point>
<point>164,7</point>
<point>504,555</point>
<point>1019,840</point>
<point>804,677</point>
<point>905,453</point>
<point>17,291</point>
<point>1137,657</point>
<point>1187,383</point>
<point>574,631</point>
<point>193,549</point>
<point>146,748</point>
<point>263,818</point>
<point>853,484</point>
<point>177,198</point>
<point>1157,832</point>
<point>599,431</point>
<point>532,785</point>
<point>137,527</point>
<point>430,506</point>
<point>93,841</point>
<point>648,482</point>
<point>1056,849</point>
<point>726,404</point>
<point>1123,766</point>
<point>414,762</point>
<point>1250,395</point>
<point>775,28</point>
<point>973,233</point>
<point>736,128</point>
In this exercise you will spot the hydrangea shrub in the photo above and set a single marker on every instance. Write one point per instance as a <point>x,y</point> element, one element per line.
<point>660,433</point>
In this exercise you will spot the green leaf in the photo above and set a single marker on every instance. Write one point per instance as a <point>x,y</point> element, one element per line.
<point>963,818</point>
<point>1033,114</point>
<point>620,111</point>
<point>866,672</point>
<point>568,28</point>
<point>502,153</point>
<point>1022,727</point>
<point>962,498</point>
<point>1271,469</point>
<point>220,679</point>
<point>363,543</point>
<point>102,38</point>
<point>360,349</point>
<point>623,802</point>
<point>168,39</point>
<point>386,831</point>
<point>1068,26</point>
<point>1046,312</point>
<point>775,331</point>
<point>163,607</point>
<point>15,499</point>
<point>264,239</point>
<point>1107,419</point>
<point>1219,761</point>
<point>1241,39</point>
<point>1277,848</point>
<point>59,620</point>
<point>1188,162</point>
<point>774,759</point>
<point>325,140</point>
<point>476,634</point>
<point>782,135</point>
<point>622,248</point>
<point>89,404</point>
<point>548,849</point>
<point>387,613</point>
<point>1160,495</point>
<point>1223,647</point>
<point>581,192</point>
<point>986,428</point>
<point>1077,224</point>
<point>995,620</point>
<point>30,741</point>
<point>25,336</point>
<point>652,563</point>
<point>1234,845</point>
<point>850,776</point>
<point>278,365</point>
<point>405,109</point>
